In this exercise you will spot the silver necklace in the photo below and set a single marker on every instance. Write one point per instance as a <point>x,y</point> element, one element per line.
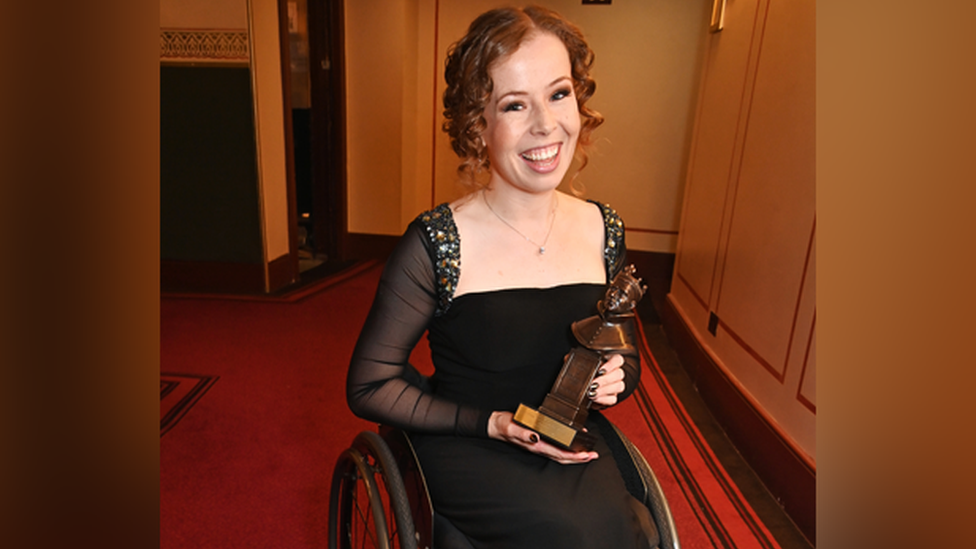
<point>542,247</point>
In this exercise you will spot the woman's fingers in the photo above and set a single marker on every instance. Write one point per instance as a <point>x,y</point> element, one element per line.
<point>613,362</point>
<point>517,433</point>
<point>531,441</point>
<point>501,427</point>
<point>559,455</point>
<point>608,383</point>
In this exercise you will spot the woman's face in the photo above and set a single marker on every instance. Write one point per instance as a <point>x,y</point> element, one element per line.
<point>532,117</point>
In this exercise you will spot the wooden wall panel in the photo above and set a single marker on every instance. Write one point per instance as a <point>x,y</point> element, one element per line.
<point>716,130</point>
<point>774,196</point>
<point>773,383</point>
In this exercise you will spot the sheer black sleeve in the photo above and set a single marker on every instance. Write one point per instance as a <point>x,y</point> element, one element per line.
<point>381,385</point>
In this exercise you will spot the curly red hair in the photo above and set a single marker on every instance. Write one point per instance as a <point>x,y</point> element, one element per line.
<point>492,36</point>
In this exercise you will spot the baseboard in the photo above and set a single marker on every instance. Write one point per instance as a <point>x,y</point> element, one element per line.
<point>282,272</point>
<point>782,470</point>
<point>210,276</point>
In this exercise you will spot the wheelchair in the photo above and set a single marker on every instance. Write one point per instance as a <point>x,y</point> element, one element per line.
<point>379,496</point>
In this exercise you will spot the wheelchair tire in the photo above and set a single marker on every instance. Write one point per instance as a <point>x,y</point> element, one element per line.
<point>356,516</point>
<point>654,497</point>
<point>414,483</point>
<point>402,533</point>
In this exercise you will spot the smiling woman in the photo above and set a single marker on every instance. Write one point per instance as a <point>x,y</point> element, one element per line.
<point>496,278</point>
<point>531,121</point>
<point>466,98</point>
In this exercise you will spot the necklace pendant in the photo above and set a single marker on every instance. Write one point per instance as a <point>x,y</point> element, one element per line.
<point>542,250</point>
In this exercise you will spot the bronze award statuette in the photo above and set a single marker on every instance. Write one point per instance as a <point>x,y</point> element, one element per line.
<point>560,418</point>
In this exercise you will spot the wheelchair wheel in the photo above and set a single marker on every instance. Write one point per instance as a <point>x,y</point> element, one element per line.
<point>654,496</point>
<point>368,506</point>
<point>355,506</point>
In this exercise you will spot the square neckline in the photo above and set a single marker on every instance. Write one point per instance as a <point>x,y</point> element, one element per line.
<point>444,248</point>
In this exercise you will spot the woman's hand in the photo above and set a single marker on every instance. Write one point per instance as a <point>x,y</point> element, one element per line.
<point>502,427</point>
<point>608,383</point>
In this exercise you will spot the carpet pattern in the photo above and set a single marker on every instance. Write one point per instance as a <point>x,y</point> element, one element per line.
<point>177,394</point>
<point>250,465</point>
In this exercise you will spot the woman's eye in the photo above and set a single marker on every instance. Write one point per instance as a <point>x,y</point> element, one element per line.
<point>515,106</point>
<point>561,94</point>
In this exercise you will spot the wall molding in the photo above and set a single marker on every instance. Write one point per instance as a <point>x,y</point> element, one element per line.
<point>803,373</point>
<point>200,45</point>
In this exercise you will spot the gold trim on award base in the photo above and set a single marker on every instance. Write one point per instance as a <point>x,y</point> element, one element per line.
<point>550,429</point>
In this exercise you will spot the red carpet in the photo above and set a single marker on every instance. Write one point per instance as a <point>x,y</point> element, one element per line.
<point>249,463</point>
<point>708,509</point>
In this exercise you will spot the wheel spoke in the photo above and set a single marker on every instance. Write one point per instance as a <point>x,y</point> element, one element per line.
<point>365,514</point>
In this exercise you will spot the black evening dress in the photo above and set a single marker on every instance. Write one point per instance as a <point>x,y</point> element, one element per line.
<point>492,351</point>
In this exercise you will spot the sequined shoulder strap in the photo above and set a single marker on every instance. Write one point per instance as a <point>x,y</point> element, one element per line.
<point>615,248</point>
<point>444,248</point>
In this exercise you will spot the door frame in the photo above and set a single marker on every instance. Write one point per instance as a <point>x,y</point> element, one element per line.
<point>327,75</point>
<point>328,128</point>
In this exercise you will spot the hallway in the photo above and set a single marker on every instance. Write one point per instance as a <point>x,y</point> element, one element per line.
<point>266,416</point>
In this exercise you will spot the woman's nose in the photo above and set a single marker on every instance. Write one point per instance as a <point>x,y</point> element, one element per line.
<point>544,122</point>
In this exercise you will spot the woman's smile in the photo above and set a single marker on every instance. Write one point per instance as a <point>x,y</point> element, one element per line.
<point>543,159</point>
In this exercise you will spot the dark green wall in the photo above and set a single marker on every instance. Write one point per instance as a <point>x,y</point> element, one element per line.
<point>208,169</point>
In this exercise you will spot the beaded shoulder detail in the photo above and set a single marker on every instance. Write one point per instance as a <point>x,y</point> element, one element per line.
<point>444,246</point>
<point>614,246</point>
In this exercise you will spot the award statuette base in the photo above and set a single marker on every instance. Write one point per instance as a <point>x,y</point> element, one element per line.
<point>561,417</point>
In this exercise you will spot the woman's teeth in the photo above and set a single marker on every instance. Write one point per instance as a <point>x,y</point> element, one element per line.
<point>541,155</point>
